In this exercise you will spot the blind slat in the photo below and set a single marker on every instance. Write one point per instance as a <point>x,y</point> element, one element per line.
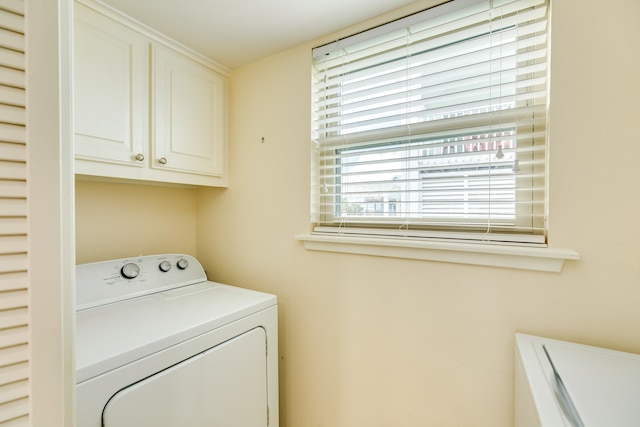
<point>449,127</point>
<point>432,234</point>
<point>392,111</point>
<point>467,75</point>
<point>458,14</point>
<point>411,49</point>
<point>471,147</point>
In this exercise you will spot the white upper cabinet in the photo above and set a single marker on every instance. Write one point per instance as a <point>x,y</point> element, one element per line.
<point>145,108</point>
<point>111,80</point>
<point>188,112</point>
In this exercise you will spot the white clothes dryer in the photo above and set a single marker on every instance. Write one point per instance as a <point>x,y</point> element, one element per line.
<point>157,344</point>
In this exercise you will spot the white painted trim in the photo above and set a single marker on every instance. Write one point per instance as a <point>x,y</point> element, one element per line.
<point>155,36</point>
<point>50,212</point>
<point>507,256</point>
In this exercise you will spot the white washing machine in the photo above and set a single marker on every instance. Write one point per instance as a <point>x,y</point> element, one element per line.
<point>159,345</point>
<point>562,384</point>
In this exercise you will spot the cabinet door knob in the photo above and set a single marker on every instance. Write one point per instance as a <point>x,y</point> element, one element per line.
<point>139,157</point>
<point>162,160</point>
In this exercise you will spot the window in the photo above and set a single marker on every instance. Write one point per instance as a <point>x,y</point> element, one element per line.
<point>435,125</point>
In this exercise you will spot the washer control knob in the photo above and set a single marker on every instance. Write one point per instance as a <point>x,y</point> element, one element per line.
<point>182,263</point>
<point>165,266</point>
<point>130,270</point>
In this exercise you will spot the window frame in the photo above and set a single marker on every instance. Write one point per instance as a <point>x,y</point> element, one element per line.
<point>392,237</point>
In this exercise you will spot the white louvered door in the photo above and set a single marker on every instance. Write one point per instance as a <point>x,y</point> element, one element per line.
<point>14,334</point>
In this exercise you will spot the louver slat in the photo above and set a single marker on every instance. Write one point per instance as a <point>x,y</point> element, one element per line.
<point>14,296</point>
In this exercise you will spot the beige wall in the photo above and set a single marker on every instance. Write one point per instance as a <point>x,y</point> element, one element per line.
<point>368,341</point>
<point>126,220</point>
<point>384,342</point>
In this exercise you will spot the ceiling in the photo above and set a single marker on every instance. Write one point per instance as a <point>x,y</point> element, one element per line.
<point>238,32</point>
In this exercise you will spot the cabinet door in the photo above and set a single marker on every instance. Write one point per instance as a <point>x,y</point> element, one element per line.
<point>188,114</point>
<point>110,90</point>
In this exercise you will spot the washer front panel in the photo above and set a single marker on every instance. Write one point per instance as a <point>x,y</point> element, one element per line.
<point>560,383</point>
<point>603,385</point>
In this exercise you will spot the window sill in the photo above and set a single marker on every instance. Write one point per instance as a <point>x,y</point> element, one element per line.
<point>507,256</point>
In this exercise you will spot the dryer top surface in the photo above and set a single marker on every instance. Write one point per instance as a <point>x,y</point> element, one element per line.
<point>113,335</point>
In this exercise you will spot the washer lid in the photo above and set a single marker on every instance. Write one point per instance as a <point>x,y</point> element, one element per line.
<point>603,385</point>
<point>116,334</point>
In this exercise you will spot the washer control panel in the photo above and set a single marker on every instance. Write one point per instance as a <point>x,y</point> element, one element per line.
<point>105,282</point>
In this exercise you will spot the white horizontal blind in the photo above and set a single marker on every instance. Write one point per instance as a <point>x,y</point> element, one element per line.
<point>14,332</point>
<point>439,125</point>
